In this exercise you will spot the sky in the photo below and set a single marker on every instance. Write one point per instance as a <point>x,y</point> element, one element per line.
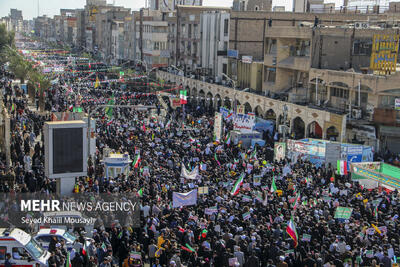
<point>52,7</point>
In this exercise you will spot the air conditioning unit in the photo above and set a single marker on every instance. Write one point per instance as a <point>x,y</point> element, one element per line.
<point>361,25</point>
<point>356,114</point>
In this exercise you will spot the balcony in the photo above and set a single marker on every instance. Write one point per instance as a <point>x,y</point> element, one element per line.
<point>270,60</point>
<point>295,63</point>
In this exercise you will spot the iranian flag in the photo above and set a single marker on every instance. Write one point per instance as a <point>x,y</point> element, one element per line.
<point>291,230</point>
<point>342,167</point>
<point>296,201</point>
<point>228,139</point>
<point>273,185</point>
<point>109,122</point>
<point>68,260</point>
<point>236,187</point>
<point>183,94</point>
<point>136,161</point>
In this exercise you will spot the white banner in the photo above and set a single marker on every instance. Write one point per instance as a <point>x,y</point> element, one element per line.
<point>244,123</point>
<point>184,199</point>
<point>218,126</point>
<point>193,175</point>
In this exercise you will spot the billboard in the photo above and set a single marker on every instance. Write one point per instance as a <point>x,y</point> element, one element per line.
<point>384,53</point>
<point>247,59</point>
<point>279,151</point>
<point>397,103</point>
<point>65,149</point>
<point>233,53</point>
<point>244,123</point>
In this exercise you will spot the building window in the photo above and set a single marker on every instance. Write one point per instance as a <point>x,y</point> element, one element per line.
<point>271,74</point>
<point>362,47</point>
<point>339,92</point>
<point>387,101</point>
<point>226,27</point>
<point>272,46</point>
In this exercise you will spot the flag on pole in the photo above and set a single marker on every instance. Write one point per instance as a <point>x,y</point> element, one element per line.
<point>342,167</point>
<point>236,187</point>
<point>68,260</point>
<point>136,161</point>
<point>215,157</point>
<point>296,201</point>
<point>291,230</point>
<point>254,154</point>
<point>109,110</point>
<point>376,212</point>
<point>97,83</point>
<point>228,139</point>
<point>140,193</point>
<point>273,185</point>
<point>183,96</point>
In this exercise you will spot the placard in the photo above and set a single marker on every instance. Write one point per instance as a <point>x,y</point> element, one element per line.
<point>343,213</point>
<point>203,190</point>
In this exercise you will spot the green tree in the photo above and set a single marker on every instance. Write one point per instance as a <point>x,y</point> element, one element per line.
<point>6,38</point>
<point>20,67</point>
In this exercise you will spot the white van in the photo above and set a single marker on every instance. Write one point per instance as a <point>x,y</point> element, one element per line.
<point>60,216</point>
<point>24,250</point>
<point>44,236</point>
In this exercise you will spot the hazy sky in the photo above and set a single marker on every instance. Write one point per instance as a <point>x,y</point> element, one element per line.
<point>52,7</point>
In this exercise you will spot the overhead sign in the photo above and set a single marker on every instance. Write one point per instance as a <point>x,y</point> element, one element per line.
<point>247,59</point>
<point>397,103</point>
<point>384,53</point>
<point>233,53</point>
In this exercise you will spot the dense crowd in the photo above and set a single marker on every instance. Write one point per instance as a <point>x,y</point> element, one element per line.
<point>187,236</point>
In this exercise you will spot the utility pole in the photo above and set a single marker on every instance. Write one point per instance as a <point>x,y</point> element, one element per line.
<point>141,34</point>
<point>177,54</point>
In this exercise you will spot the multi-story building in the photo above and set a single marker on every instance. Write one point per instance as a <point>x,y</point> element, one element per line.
<point>188,36</point>
<point>117,41</point>
<point>129,37</point>
<point>44,27</point>
<point>329,67</point>
<point>154,40</point>
<point>16,20</point>
<point>251,44</point>
<point>214,28</point>
<point>103,29</point>
<point>252,5</point>
<point>170,5</point>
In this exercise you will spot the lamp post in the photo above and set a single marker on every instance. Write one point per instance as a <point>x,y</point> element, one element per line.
<point>147,74</point>
<point>183,105</point>
<point>234,88</point>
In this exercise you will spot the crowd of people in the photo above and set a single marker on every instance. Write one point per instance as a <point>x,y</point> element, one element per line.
<point>247,228</point>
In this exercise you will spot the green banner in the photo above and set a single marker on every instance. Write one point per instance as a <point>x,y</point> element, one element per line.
<point>343,213</point>
<point>77,109</point>
<point>361,173</point>
<point>390,170</point>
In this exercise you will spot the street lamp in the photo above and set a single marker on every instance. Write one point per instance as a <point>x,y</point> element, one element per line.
<point>179,70</point>
<point>234,88</point>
